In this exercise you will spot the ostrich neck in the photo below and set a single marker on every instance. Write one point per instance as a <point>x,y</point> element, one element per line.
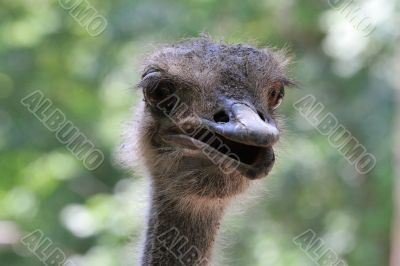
<point>180,235</point>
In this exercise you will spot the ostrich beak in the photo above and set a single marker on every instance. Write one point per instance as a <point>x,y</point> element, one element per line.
<point>238,133</point>
<point>245,125</point>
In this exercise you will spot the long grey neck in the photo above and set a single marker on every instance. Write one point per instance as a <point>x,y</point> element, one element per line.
<point>180,235</point>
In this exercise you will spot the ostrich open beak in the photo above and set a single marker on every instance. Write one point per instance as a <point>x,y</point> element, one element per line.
<point>241,135</point>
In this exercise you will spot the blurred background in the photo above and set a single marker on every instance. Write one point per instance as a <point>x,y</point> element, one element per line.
<point>345,54</point>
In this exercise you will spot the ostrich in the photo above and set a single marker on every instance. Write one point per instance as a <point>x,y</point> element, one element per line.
<point>205,132</point>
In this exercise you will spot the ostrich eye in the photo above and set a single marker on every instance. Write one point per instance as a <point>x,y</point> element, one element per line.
<point>276,95</point>
<point>158,92</point>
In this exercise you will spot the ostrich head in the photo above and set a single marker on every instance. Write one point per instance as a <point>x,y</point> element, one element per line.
<point>208,124</point>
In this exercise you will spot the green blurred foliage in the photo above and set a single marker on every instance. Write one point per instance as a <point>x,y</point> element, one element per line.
<point>95,216</point>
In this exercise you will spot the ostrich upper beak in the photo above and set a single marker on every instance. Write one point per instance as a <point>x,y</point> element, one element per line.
<point>245,125</point>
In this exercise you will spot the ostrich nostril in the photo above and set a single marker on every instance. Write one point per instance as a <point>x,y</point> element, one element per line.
<point>221,117</point>
<point>261,115</point>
